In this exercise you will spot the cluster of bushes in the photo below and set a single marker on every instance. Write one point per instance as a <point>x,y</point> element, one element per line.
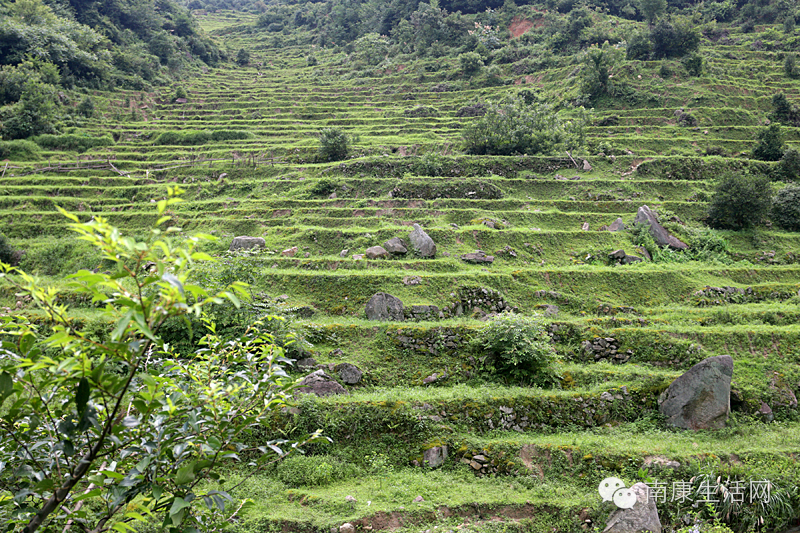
<point>194,137</point>
<point>742,201</point>
<point>513,126</point>
<point>72,142</point>
<point>19,150</point>
<point>668,38</point>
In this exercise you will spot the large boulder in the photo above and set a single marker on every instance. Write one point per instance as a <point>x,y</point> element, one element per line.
<point>477,256</point>
<point>384,307</point>
<point>421,242</point>
<point>617,225</point>
<point>245,243</point>
<point>348,373</point>
<point>662,237</point>
<point>376,252</point>
<point>701,397</point>
<point>396,245</point>
<point>320,384</point>
<point>643,516</point>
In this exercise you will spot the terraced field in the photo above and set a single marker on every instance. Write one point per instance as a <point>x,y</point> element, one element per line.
<point>532,456</point>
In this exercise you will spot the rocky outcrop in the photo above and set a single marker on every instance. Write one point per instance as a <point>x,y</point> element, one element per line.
<point>421,242</point>
<point>383,306</point>
<point>643,516</point>
<point>435,456</point>
<point>246,243</point>
<point>396,246</point>
<point>662,237</point>
<point>606,348</point>
<point>701,397</point>
<point>476,257</point>
<point>320,384</point>
<point>376,252</point>
<point>617,225</point>
<point>350,374</point>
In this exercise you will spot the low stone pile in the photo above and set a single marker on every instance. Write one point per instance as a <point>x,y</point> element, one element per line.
<point>601,348</point>
<point>423,312</point>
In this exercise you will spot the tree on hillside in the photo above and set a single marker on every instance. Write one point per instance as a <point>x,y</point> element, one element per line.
<point>96,434</point>
<point>242,57</point>
<point>739,202</point>
<point>514,127</point>
<point>652,9</point>
<point>770,144</point>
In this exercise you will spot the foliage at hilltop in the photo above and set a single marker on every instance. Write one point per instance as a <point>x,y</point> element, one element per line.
<point>48,47</point>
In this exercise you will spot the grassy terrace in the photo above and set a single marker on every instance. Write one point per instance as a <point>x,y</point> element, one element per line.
<point>407,169</point>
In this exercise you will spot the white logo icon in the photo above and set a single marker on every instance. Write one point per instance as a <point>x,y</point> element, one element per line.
<point>613,489</point>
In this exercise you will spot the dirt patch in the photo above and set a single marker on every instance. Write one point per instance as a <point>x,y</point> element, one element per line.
<point>281,213</point>
<point>519,26</point>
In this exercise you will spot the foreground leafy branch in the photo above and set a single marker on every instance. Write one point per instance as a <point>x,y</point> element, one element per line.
<point>97,435</point>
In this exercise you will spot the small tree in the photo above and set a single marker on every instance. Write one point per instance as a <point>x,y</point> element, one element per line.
<point>597,67</point>
<point>514,127</point>
<point>786,208</point>
<point>120,423</point>
<point>86,107</point>
<point>518,348</point>
<point>770,144</point>
<point>693,64</point>
<point>470,63</point>
<point>790,66</point>
<point>333,144</point>
<point>739,202</point>
<point>788,168</point>
<point>788,24</point>
<point>242,57</point>
<point>652,9</point>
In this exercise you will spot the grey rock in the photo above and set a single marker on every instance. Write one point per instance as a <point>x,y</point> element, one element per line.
<point>435,456</point>
<point>348,373</point>
<point>396,245</point>
<point>660,234</point>
<point>344,253</point>
<point>585,226</point>
<point>617,255</point>
<point>765,411</point>
<point>421,242</point>
<point>617,225</point>
<point>358,257</point>
<point>477,257</point>
<point>376,252</point>
<point>289,252</point>
<point>383,306</point>
<point>628,259</point>
<point>607,396</point>
<point>643,516</point>
<point>419,499</point>
<point>701,397</point>
<point>320,384</point>
<point>347,527</point>
<point>586,165</point>
<point>642,250</point>
<point>308,362</point>
<point>246,243</point>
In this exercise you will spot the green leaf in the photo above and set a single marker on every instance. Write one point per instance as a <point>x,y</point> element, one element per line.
<point>172,280</point>
<point>26,343</point>
<point>185,475</point>
<point>6,386</point>
<point>121,326</point>
<point>86,495</point>
<point>82,396</point>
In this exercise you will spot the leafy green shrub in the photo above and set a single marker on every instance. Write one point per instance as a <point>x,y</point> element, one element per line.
<point>71,142</point>
<point>786,208</point>
<point>513,127</point>
<point>35,112</point>
<point>783,111</point>
<point>470,63</point>
<point>180,92</point>
<point>518,348</point>
<point>242,57</point>
<point>788,168</point>
<point>598,64</point>
<point>7,254</point>
<point>770,144</point>
<point>639,46</point>
<point>194,138</point>
<point>674,39</point>
<point>230,135</point>
<point>333,144</point>
<point>86,107</point>
<point>693,64</point>
<point>314,471</point>
<point>19,150</point>
<point>739,202</point>
<point>790,66</point>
